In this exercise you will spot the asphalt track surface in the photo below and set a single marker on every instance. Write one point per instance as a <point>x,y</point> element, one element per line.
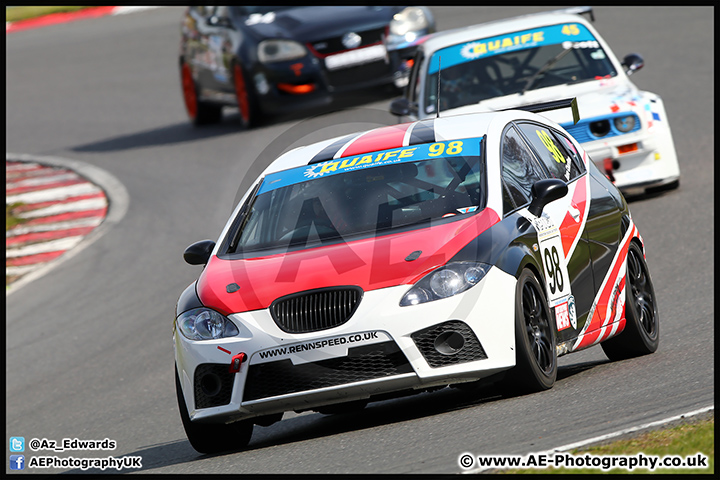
<point>89,350</point>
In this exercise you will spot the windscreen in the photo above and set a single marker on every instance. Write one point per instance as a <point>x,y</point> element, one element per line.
<point>367,194</point>
<point>513,63</point>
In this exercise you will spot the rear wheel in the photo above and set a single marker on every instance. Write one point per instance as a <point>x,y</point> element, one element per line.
<point>641,335</point>
<point>212,437</point>
<point>200,113</point>
<point>536,359</point>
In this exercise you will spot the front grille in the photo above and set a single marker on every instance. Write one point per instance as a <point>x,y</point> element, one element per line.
<point>581,130</point>
<point>333,45</point>
<point>471,349</point>
<point>362,363</point>
<point>218,372</point>
<point>315,310</point>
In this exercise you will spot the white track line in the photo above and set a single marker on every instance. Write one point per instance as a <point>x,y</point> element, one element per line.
<point>19,167</point>
<point>42,180</point>
<point>619,433</point>
<point>54,194</point>
<point>50,227</point>
<point>61,244</point>
<point>25,269</point>
<point>79,206</point>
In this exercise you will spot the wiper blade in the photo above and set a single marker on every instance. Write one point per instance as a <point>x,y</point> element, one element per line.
<point>244,214</point>
<point>544,69</point>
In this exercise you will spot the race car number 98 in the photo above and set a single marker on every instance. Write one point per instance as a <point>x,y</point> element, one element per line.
<point>556,274</point>
<point>437,149</point>
<point>555,281</point>
<point>550,145</point>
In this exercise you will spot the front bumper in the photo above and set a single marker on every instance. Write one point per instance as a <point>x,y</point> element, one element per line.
<point>383,348</point>
<point>308,82</point>
<point>636,161</point>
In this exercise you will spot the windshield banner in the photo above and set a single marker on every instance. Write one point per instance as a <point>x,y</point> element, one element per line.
<point>466,147</point>
<point>537,37</point>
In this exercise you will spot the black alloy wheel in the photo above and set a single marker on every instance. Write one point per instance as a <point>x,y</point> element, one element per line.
<point>536,357</point>
<point>641,335</point>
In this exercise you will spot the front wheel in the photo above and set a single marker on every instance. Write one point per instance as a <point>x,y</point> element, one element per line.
<point>199,112</point>
<point>536,358</point>
<point>212,437</point>
<point>641,335</point>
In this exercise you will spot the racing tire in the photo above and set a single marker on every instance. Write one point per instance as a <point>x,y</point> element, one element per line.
<point>212,437</point>
<point>641,335</point>
<point>199,112</point>
<point>246,101</point>
<point>535,338</point>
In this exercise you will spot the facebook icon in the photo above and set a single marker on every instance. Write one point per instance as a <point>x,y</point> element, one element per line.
<point>17,462</point>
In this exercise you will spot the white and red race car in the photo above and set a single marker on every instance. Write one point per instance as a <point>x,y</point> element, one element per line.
<point>543,57</point>
<point>445,251</point>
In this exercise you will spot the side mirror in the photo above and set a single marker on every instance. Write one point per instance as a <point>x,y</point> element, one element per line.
<point>632,63</point>
<point>401,107</point>
<point>544,192</point>
<point>199,252</point>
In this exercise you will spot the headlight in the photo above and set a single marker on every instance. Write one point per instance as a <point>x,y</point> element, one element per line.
<point>446,281</point>
<point>275,50</point>
<point>205,324</point>
<point>412,19</point>
<point>625,124</point>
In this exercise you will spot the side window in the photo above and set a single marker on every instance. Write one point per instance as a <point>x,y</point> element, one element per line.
<point>520,170</point>
<point>553,154</point>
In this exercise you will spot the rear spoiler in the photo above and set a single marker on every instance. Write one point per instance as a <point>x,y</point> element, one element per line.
<point>577,11</point>
<point>555,105</point>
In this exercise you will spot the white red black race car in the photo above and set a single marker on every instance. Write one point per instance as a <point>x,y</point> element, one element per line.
<point>544,57</point>
<point>408,257</point>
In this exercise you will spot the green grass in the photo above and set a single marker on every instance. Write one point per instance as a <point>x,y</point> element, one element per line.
<point>13,14</point>
<point>10,219</point>
<point>684,440</point>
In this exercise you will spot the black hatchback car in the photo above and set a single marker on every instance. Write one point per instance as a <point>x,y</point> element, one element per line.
<point>274,59</point>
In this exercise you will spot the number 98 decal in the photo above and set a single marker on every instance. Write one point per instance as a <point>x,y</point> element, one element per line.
<point>555,279</point>
<point>550,145</point>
